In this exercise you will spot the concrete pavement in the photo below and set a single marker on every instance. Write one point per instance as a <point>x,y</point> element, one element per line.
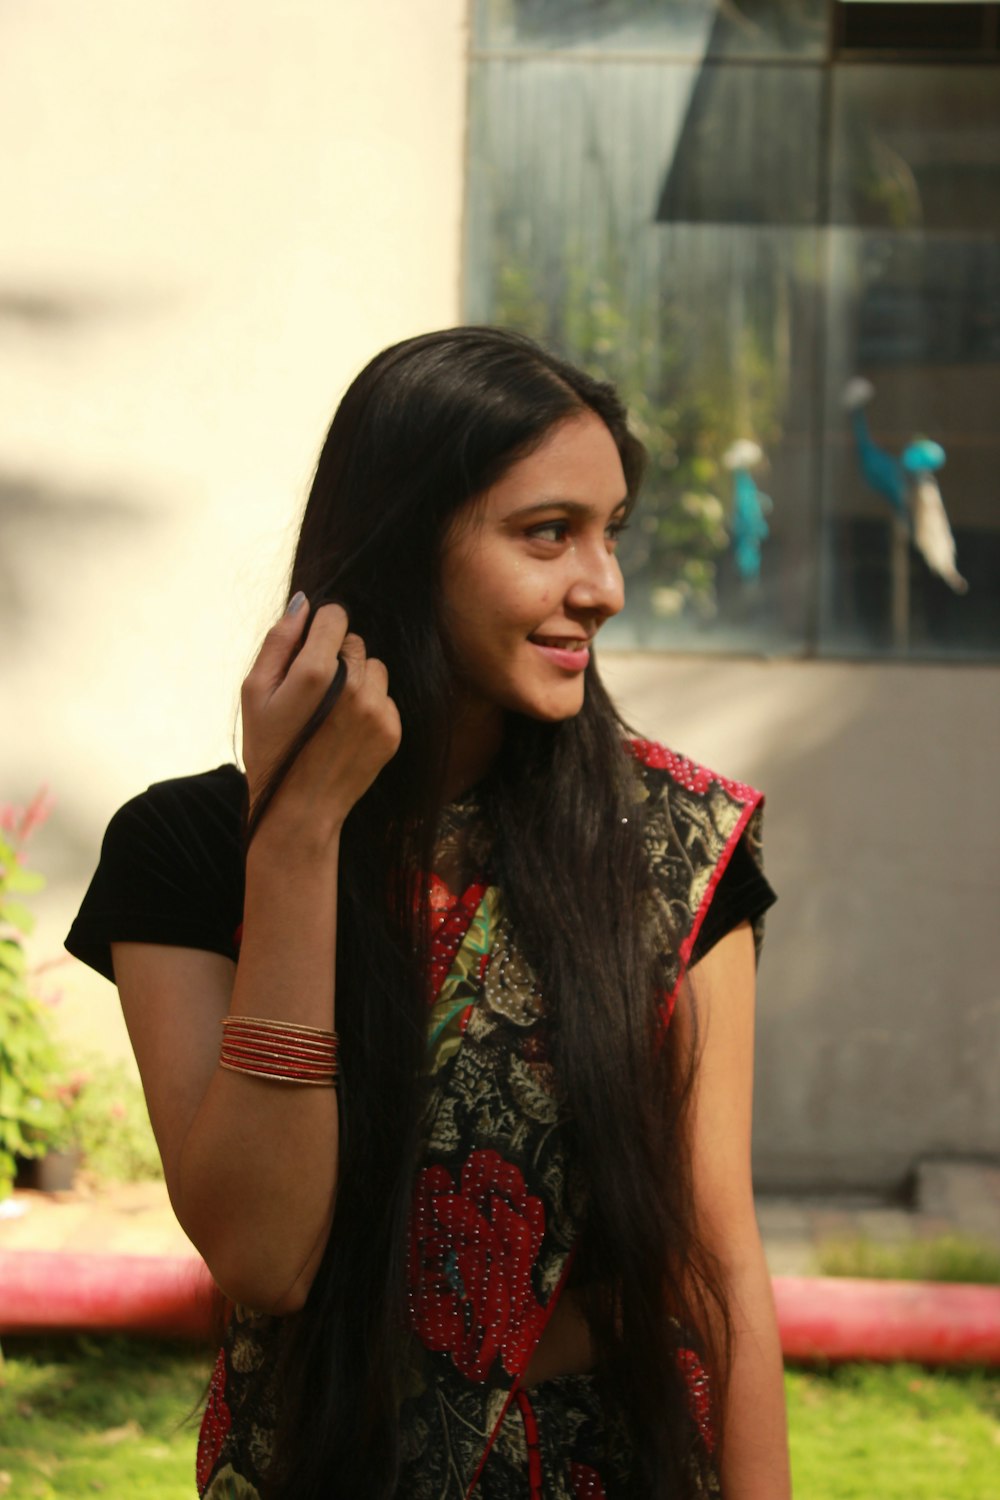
<point>953,1198</point>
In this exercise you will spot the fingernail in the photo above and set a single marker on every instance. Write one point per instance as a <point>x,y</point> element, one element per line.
<point>295,603</point>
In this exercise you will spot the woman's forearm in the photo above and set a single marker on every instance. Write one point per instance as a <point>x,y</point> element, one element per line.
<point>258,1166</point>
<point>755,1453</point>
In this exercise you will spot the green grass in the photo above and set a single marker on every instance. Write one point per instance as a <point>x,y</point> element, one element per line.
<point>947,1258</point>
<point>86,1417</point>
<point>82,1417</point>
<point>894,1432</point>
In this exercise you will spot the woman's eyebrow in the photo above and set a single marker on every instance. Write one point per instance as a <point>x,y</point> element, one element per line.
<point>574,507</point>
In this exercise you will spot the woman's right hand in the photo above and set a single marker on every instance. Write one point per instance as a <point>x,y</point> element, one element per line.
<point>283,690</point>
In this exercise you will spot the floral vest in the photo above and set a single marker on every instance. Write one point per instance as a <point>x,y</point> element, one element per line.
<point>497,1207</point>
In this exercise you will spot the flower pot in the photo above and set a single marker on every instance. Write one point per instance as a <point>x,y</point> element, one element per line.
<point>55,1172</point>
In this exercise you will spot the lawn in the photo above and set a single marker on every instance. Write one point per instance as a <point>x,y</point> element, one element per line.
<point>84,1417</point>
<point>894,1432</point>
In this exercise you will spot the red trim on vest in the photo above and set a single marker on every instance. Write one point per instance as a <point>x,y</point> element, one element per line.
<point>685,772</point>
<point>531,1439</point>
<point>694,778</point>
<point>717,874</point>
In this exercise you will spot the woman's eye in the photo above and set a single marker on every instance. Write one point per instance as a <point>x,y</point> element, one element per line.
<point>550,531</point>
<point>558,531</point>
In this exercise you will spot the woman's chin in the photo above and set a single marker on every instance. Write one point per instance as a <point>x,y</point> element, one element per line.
<point>555,710</point>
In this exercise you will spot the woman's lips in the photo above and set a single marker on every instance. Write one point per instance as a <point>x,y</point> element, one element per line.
<point>563,657</point>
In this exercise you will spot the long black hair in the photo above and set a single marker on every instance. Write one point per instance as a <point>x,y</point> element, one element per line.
<point>426,428</point>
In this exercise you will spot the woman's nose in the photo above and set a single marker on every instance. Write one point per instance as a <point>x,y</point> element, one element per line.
<point>597,585</point>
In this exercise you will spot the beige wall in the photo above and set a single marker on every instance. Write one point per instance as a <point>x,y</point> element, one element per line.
<point>213,215</point>
<point>879,1005</point>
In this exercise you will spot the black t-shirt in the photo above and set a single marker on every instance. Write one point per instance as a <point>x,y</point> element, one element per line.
<point>171,871</point>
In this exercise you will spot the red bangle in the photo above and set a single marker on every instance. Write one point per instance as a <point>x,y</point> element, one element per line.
<point>281,1051</point>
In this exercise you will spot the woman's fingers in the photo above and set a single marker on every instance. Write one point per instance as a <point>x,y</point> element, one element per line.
<point>330,676</point>
<point>315,666</point>
<point>377,673</point>
<point>276,652</point>
<point>352,653</point>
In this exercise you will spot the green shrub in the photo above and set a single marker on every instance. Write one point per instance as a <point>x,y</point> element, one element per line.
<point>32,1117</point>
<point>109,1124</point>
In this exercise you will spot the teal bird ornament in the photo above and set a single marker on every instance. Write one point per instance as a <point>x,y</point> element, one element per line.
<point>909,485</point>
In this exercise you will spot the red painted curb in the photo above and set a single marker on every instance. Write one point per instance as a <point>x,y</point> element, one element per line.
<point>926,1322</point>
<point>49,1291</point>
<point>820,1318</point>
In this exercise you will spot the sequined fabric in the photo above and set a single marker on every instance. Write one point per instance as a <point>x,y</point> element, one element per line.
<point>563,1439</point>
<point>556,1441</point>
<point>497,1201</point>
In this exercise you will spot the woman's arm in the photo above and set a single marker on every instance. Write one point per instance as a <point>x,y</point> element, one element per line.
<point>755,1453</point>
<point>250,1164</point>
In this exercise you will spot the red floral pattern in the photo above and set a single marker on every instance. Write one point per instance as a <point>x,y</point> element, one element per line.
<point>699,1394</point>
<point>472,1248</point>
<point>685,772</point>
<point>215,1424</point>
<point>586,1482</point>
<point>492,1230</point>
<point>450,916</point>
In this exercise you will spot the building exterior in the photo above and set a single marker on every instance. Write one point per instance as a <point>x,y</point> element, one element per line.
<point>734,211</point>
<point>738,212</point>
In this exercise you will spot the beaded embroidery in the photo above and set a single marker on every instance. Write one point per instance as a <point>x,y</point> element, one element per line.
<point>497,1201</point>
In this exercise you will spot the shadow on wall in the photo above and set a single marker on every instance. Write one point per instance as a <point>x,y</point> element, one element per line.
<point>43,313</point>
<point>40,520</point>
<point>879,1015</point>
<point>36,514</point>
<point>39,513</point>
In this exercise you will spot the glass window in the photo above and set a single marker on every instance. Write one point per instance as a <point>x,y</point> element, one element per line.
<point>913,306</point>
<point>748,28</point>
<point>916,148</point>
<point>733,243</point>
<point>708,329</point>
<point>909,26</point>
<point>735,161</point>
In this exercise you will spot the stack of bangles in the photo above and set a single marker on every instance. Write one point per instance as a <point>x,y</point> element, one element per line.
<point>281,1051</point>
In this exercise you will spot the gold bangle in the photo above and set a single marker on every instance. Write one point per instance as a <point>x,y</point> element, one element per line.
<point>280,1051</point>
<point>270,1024</point>
<point>329,1081</point>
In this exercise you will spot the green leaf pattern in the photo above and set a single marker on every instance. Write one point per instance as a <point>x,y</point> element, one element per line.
<point>491,1086</point>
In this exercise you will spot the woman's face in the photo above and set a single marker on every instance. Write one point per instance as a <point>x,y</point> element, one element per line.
<point>529,575</point>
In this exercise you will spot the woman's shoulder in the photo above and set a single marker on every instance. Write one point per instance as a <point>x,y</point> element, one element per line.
<point>190,824</point>
<point>223,784</point>
<point>673,774</point>
<point>212,800</point>
<point>170,870</point>
<point>702,832</point>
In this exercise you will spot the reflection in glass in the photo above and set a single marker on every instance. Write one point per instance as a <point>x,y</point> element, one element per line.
<point>732,244</point>
<point>916,147</point>
<point>709,331</point>
<point>686,28</point>
<point>749,151</point>
<point>914,304</point>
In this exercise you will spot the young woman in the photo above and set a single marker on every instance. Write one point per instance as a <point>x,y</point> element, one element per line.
<point>471,1163</point>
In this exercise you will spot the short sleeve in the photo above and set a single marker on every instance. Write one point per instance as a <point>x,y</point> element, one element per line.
<point>171,871</point>
<point>743,894</point>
